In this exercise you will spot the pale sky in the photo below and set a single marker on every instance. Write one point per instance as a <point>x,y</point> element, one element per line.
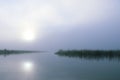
<point>59,24</point>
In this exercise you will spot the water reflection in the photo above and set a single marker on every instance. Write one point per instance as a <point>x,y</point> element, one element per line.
<point>90,54</point>
<point>51,67</point>
<point>27,66</point>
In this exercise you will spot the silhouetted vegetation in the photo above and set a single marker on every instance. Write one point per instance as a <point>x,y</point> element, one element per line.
<point>91,54</point>
<point>6,52</point>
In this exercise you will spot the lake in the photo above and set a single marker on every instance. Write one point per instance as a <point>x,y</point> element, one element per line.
<point>49,66</point>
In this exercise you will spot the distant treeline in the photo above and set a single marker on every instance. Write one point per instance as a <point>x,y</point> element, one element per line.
<point>90,54</point>
<point>6,52</point>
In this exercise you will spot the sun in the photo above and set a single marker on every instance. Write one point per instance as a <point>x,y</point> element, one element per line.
<point>28,35</point>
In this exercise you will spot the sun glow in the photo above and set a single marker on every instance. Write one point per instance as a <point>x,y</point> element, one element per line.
<point>28,35</point>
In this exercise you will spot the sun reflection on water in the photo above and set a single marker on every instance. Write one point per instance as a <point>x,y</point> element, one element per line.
<point>27,66</point>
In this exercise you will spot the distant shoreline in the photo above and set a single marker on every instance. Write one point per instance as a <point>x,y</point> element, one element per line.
<point>18,51</point>
<point>6,52</point>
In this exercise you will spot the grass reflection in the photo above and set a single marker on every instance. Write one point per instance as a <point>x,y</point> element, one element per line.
<point>90,54</point>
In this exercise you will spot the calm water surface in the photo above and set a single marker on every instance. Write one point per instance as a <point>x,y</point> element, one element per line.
<point>48,66</point>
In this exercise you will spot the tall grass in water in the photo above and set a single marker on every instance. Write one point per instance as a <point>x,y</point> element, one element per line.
<point>90,54</point>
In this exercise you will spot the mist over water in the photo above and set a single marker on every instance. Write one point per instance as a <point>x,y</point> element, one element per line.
<point>85,31</point>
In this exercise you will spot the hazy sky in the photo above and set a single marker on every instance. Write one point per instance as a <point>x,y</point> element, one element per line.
<point>60,24</point>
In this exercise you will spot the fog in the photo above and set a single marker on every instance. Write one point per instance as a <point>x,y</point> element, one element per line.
<point>59,24</point>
